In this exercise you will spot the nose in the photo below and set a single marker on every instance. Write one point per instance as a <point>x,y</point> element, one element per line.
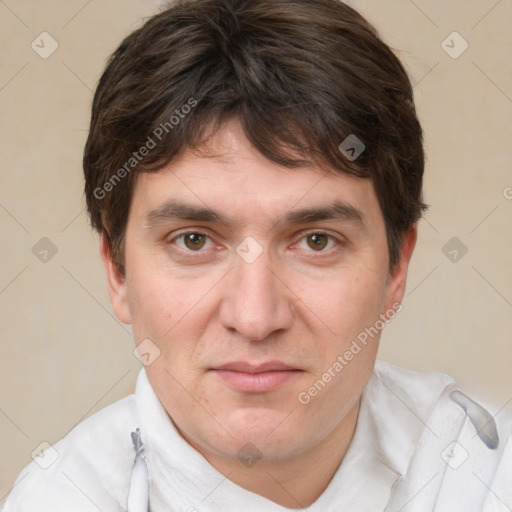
<point>256,302</point>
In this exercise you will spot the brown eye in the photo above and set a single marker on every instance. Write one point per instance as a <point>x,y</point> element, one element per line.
<point>194,241</point>
<point>317,241</point>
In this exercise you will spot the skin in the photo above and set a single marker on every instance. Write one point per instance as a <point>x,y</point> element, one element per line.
<point>299,302</point>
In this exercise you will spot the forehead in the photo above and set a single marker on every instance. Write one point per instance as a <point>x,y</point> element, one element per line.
<point>229,180</point>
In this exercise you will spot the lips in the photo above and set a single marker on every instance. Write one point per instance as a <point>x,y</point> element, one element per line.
<point>244,367</point>
<point>256,378</point>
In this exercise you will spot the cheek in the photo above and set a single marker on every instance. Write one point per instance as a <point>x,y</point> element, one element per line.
<point>173,314</point>
<point>346,303</point>
<point>155,306</point>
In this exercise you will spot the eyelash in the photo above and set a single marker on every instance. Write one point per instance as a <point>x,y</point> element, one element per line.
<point>324,253</point>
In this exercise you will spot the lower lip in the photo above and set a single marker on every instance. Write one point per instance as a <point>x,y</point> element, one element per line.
<point>257,382</point>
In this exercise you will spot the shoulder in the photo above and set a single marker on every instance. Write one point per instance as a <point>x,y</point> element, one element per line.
<point>88,469</point>
<point>396,406</point>
<point>431,397</point>
<point>461,447</point>
<point>425,393</point>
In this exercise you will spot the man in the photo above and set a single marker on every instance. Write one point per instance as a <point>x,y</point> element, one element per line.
<point>254,169</point>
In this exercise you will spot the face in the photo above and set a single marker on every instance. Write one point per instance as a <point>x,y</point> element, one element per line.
<point>253,281</point>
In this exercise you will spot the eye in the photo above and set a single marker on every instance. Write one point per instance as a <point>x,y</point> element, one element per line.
<point>317,242</point>
<point>192,241</point>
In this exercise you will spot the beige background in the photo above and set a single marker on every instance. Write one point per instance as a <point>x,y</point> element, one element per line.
<point>64,355</point>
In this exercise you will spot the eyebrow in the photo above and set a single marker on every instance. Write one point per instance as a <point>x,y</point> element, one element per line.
<point>178,210</point>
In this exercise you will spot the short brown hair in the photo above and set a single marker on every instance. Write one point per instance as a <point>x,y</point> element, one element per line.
<point>301,76</point>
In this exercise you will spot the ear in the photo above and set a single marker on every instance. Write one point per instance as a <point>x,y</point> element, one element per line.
<point>116,283</point>
<point>398,279</point>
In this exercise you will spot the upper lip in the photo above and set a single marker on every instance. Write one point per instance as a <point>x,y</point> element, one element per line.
<point>245,367</point>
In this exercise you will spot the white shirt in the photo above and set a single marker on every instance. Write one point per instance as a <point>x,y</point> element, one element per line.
<point>415,448</point>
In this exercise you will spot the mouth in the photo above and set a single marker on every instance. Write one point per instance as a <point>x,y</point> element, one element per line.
<point>256,378</point>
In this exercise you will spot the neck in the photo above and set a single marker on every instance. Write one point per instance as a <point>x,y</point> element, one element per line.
<point>299,482</point>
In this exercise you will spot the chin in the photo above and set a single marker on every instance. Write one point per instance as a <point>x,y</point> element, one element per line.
<point>257,420</point>
<point>265,428</point>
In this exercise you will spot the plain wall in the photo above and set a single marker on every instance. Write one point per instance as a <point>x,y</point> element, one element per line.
<point>64,354</point>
